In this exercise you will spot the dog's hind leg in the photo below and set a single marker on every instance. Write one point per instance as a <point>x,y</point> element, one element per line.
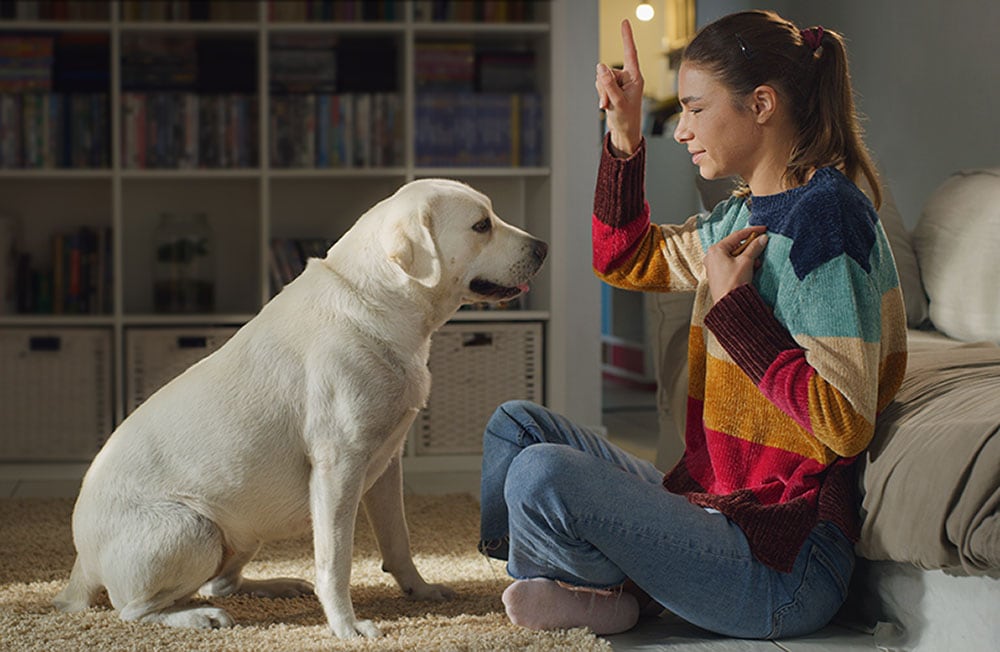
<point>154,566</point>
<point>230,580</point>
<point>80,593</point>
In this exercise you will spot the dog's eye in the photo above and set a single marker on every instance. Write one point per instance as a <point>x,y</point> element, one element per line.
<point>483,225</point>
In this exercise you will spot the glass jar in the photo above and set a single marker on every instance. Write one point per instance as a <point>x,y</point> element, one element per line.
<point>184,264</point>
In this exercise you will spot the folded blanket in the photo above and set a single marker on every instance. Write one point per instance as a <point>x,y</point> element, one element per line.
<point>931,477</point>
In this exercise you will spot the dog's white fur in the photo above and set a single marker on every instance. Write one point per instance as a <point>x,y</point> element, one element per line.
<point>297,420</point>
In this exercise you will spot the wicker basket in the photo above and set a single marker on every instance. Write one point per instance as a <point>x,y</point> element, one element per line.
<point>475,368</point>
<point>156,355</point>
<point>55,393</point>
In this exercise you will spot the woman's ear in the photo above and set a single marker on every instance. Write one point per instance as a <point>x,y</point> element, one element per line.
<point>764,103</point>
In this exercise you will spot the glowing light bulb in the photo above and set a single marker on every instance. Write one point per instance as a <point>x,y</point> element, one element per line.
<point>644,11</point>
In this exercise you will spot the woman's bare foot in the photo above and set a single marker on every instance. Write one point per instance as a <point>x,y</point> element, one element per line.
<point>539,603</point>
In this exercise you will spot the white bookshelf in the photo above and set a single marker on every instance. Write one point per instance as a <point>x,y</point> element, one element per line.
<point>249,206</point>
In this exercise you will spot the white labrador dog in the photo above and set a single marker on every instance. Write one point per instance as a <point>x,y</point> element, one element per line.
<point>296,421</point>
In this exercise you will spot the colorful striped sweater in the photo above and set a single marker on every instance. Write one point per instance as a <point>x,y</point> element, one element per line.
<point>787,374</point>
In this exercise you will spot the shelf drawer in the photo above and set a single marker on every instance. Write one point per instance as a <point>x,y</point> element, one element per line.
<point>475,367</point>
<point>55,393</point>
<point>154,356</point>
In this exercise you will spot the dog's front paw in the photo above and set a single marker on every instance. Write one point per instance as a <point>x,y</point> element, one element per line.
<point>354,628</point>
<point>432,592</point>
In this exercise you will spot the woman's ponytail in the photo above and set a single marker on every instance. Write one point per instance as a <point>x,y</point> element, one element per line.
<point>830,132</point>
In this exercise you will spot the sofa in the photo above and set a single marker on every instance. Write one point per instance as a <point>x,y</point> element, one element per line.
<point>928,576</point>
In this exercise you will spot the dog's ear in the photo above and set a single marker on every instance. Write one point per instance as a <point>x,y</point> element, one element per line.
<point>410,246</point>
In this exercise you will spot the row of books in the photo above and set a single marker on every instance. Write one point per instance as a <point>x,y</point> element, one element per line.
<point>55,9</point>
<point>188,130</point>
<point>479,129</point>
<point>490,11</point>
<point>334,10</point>
<point>159,61</point>
<point>464,66</point>
<point>26,63</point>
<point>77,280</point>
<point>183,10</point>
<point>54,130</point>
<point>70,62</point>
<point>205,62</point>
<point>303,63</point>
<point>278,10</point>
<point>336,130</point>
<point>288,258</point>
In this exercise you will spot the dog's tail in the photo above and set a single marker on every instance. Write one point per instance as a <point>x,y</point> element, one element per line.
<point>80,593</point>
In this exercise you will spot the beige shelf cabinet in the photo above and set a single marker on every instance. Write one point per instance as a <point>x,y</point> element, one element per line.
<point>249,206</point>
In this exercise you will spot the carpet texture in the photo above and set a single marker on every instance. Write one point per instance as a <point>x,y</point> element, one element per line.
<point>36,555</point>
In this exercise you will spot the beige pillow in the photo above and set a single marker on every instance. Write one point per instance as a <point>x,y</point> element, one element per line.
<point>957,242</point>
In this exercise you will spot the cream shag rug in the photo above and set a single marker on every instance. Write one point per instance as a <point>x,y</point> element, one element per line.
<point>36,554</point>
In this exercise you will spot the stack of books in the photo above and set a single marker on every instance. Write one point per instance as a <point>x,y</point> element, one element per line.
<point>476,107</point>
<point>334,102</point>
<point>78,280</point>
<point>334,10</point>
<point>55,9</point>
<point>53,102</point>
<point>27,63</point>
<point>490,11</point>
<point>188,102</point>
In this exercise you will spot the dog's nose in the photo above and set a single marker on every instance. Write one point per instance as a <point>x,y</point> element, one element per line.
<point>540,250</point>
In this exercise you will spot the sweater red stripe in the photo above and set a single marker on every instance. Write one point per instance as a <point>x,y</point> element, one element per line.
<point>617,243</point>
<point>723,464</point>
<point>786,383</point>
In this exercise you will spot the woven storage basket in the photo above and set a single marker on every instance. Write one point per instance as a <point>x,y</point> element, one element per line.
<point>156,355</point>
<point>476,367</point>
<point>55,393</point>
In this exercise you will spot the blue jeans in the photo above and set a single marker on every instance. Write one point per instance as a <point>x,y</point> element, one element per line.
<point>561,502</point>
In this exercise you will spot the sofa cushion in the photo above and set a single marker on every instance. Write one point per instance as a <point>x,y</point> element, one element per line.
<point>900,242</point>
<point>957,242</point>
<point>930,476</point>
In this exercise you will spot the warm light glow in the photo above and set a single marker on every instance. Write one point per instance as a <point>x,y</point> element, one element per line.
<point>644,11</point>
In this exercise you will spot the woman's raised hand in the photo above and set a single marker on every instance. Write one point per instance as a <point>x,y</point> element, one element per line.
<point>620,95</point>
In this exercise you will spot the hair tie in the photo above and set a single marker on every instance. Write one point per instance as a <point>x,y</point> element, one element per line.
<point>813,37</point>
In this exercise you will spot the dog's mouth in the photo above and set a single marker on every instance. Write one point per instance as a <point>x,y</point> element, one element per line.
<point>494,291</point>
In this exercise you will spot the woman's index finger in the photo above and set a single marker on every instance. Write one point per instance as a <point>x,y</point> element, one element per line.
<point>628,44</point>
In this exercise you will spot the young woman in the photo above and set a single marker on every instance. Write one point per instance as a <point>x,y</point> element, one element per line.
<point>797,341</point>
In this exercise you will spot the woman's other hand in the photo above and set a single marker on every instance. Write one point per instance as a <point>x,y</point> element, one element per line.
<point>726,271</point>
<point>620,95</point>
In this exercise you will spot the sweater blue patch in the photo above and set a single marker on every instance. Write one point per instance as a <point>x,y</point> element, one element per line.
<point>824,219</point>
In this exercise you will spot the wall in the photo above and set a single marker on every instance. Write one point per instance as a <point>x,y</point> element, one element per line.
<point>927,76</point>
<point>575,154</point>
<point>659,81</point>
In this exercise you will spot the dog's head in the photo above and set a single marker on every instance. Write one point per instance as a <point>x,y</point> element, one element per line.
<point>444,234</point>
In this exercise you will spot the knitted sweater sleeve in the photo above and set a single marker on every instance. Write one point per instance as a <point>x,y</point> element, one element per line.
<point>630,252</point>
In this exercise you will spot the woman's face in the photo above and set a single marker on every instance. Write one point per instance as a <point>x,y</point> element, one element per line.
<point>720,133</point>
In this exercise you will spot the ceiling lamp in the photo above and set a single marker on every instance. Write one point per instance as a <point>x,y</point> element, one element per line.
<point>644,11</point>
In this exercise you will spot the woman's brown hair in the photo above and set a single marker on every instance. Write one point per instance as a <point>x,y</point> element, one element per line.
<point>753,48</point>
